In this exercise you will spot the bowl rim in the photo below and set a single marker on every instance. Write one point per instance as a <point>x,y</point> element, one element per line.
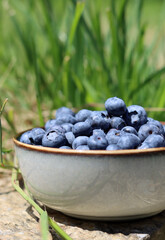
<point>52,150</point>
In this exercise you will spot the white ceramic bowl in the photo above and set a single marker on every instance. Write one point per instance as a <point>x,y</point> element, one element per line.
<point>103,185</point>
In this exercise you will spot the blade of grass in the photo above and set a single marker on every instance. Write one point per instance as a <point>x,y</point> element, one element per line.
<point>122,28</point>
<point>148,80</point>
<point>78,13</point>
<point>139,12</point>
<point>50,30</point>
<point>1,112</point>
<point>37,84</point>
<point>44,225</point>
<point>116,50</point>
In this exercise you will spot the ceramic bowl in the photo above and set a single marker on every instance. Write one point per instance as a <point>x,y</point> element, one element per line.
<point>103,185</point>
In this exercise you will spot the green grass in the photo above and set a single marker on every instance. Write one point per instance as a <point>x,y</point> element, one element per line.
<point>73,53</point>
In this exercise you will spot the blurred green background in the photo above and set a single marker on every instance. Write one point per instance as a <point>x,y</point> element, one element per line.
<point>78,54</point>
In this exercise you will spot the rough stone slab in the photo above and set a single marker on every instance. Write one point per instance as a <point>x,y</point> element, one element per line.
<point>19,222</point>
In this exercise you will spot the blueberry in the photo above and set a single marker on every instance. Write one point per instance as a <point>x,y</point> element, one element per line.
<point>82,115</point>
<point>135,116</point>
<point>128,141</point>
<point>54,137</point>
<point>146,130</point>
<point>58,128</point>
<point>102,112</point>
<point>65,147</point>
<point>118,123</point>
<point>98,119</point>
<point>129,129</point>
<point>113,136</point>
<point>83,147</point>
<point>37,135</point>
<point>115,106</point>
<point>158,124</point>
<point>65,119</point>
<point>144,146</point>
<point>26,137</point>
<point>97,142</point>
<point>81,140</point>
<point>164,129</point>
<point>63,111</point>
<point>99,132</point>
<point>50,123</point>
<point>82,129</point>
<point>67,126</point>
<point>154,141</point>
<point>113,147</point>
<point>70,137</point>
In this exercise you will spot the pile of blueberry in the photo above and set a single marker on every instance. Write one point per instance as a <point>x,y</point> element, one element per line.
<point>116,127</point>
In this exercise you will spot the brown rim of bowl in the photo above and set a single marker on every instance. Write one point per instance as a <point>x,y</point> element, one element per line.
<point>85,152</point>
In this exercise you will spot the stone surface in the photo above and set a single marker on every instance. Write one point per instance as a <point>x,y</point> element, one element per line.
<point>19,222</point>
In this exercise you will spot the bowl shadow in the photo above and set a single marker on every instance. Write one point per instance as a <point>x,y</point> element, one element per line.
<point>149,225</point>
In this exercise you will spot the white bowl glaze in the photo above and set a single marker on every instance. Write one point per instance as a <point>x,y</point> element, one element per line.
<point>104,185</point>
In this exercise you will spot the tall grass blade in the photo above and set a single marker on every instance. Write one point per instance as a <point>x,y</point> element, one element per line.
<point>44,225</point>
<point>78,12</point>
<point>37,85</point>
<point>1,112</point>
<point>148,80</point>
<point>139,11</point>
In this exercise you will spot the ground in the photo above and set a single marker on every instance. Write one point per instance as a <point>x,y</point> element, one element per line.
<point>18,221</point>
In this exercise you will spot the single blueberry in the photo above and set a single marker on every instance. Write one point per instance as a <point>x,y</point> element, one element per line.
<point>113,136</point>
<point>83,147</point>
<point>65,119</point>
<point>146,130</point>
<point>54,137</point>
<point>82,115</point>
<point>103,113</point>
<point>164,129</point>
<point>135,116</point>
<point>37,135</point>
<point>82,129</point>
<point>58,128</point>
<point>70,137</point>
<point>129,129</point>
<point>115,106</point>
<point>97,142</point>
<point>158,124</point>
<point>64,111</point>
<point>81,140</point>
<point>117,122</point>
<point>128,141</point>
<point>98,132</point>
<point>26,137</point>
<point>50,123</point>
<point>98,119</point>
<point>113,147</point>
<point>67,126</point>
<point>154,141</point>
<point>65,147</point>
<point>144,146</point>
